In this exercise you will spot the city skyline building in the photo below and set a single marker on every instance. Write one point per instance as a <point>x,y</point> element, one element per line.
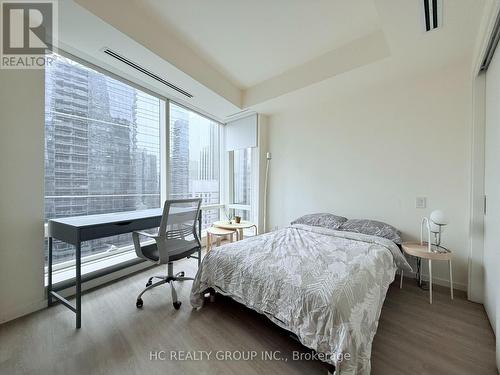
<point>102,152</point>
<point>102,149</point>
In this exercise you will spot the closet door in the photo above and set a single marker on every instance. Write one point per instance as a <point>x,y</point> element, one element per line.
<point>492,191</point>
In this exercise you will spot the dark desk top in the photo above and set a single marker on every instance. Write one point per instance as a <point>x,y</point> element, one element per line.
<point>112,218</point>
<point>83,228</point>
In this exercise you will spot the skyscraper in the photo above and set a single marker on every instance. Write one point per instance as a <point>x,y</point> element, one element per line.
<point>179,153</point>
<point>100,152</point>
<point>194,159</point>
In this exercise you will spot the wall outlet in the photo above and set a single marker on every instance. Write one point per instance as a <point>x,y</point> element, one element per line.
<point>421,202</point>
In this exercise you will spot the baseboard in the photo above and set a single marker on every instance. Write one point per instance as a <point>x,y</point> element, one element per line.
<point>23,310</point>
<point>439,281</point>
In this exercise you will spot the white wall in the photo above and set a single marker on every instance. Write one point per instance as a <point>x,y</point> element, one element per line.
<point>21,192</point>
<point>370,155</point>
<point>492,191</point>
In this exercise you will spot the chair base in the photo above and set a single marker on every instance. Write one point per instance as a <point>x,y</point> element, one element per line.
<point>168,279</point>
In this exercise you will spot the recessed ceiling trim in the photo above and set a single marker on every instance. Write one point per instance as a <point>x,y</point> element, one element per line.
<point>145,71</point>
<point>245,112</point>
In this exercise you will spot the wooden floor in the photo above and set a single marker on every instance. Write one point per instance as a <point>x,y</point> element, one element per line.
<point>116,338</point>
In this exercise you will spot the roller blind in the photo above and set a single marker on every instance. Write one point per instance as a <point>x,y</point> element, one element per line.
<point>241,133</point>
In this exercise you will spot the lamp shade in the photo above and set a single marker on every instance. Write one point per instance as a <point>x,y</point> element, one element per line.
<point>434,227</point>
<point>438,217</point>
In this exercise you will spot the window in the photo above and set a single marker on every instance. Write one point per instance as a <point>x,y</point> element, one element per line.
<point>195,160</point>
<point>241,183</point>
<point>102,150</point>
<point>242,176</point>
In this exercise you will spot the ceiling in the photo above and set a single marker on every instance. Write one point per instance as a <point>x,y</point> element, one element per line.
<point>85,35</point>
<point>258,53</point>
<point>251,41</point>
<point>414,54</point>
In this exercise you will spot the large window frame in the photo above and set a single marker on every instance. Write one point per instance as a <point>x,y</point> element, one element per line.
<point>164,161</point>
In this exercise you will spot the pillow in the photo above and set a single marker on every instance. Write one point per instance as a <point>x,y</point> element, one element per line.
<point>321,220</point>
<point>372,227</point>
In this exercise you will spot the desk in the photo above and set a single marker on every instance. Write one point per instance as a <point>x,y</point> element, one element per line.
<point>78,229</point>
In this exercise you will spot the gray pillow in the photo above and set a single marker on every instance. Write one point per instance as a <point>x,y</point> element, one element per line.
<point>372,227</point>
<point>321,220</point>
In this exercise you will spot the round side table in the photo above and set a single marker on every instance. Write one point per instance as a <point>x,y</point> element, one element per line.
<point>238,227</point>
<point>422,252</point>
<point>218,233</point>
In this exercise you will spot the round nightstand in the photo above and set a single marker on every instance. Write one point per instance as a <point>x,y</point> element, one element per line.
<point>218,233</point>
<point>238,227</point>
<point>422,252</point>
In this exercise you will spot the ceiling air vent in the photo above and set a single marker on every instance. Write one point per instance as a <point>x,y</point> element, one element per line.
<point>145,71</point>
<point>433,14</point>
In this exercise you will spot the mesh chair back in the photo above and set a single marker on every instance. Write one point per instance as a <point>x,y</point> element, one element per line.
<point>179,220</point>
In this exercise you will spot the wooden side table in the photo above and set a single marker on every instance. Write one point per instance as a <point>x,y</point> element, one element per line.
<point>238,227</point>
<point>218,233</point>
<point>422,252</point>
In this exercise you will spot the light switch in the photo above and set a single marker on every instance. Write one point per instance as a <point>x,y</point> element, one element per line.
<point>421,202</point>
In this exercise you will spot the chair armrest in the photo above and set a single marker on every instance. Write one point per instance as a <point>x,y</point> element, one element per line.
<point>137,242</point>
<point>145,234</point>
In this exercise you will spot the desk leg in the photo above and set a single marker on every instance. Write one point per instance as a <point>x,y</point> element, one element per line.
<point>49,276</point>
<point>78,285</point>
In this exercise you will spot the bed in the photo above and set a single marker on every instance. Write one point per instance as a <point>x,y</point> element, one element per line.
<point>325,286</point>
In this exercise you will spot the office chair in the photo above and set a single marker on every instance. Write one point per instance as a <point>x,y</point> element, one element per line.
<point>176,239</point>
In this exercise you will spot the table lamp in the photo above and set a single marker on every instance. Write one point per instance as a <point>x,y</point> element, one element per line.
<point>434,224</point>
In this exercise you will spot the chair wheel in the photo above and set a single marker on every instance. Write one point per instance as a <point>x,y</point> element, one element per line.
<point>177,305</point>
<point>139,303</point>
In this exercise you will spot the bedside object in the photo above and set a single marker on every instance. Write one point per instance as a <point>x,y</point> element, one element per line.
<point>218,233</point>
<point>426,251</point>
<point>435,223</point>
<point>243,224</point>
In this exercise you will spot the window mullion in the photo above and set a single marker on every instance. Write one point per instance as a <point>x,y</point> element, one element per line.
<point>165,157</point>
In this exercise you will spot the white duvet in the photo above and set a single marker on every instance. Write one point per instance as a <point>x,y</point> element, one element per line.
<point>325,286</point>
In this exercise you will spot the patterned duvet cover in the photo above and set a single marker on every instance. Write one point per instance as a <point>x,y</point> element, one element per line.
<point>325,286</point>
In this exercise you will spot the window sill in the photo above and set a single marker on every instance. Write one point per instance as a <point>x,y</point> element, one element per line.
<point>99,266</point>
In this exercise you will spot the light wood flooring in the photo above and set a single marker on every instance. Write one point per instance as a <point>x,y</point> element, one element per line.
<point>448,337</point>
